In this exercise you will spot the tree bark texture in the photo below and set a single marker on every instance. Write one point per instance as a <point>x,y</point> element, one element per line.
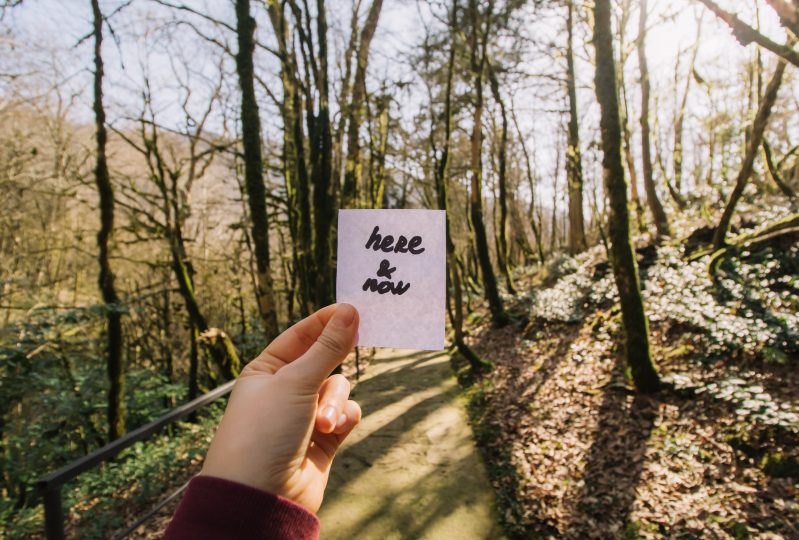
<point>321,173</point>
<point>502,180</point>
<point>350,193</point>
<point>253,167</point>
<point>455,295</point>
<point>637,350</point>
<point>574,166</point>
<point>115,369</point>
<point>479,39</point>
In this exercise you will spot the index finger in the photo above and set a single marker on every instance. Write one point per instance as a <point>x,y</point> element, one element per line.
<point>292,343</point>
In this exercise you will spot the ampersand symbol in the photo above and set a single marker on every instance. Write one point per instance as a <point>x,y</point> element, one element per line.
<point>385,270</point>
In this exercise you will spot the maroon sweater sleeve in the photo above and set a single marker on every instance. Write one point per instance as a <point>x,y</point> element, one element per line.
<point>219,509</point>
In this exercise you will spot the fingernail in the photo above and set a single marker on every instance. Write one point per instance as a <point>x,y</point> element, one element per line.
<point>329,413</point>
<point>343,316</point>
<point>342,418</point>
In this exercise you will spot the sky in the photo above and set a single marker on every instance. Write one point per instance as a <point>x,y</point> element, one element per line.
<point>45,33</point>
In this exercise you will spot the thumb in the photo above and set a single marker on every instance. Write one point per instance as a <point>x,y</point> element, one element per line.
<point>330,348</point>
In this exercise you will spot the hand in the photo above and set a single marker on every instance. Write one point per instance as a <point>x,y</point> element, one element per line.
<point>286,418</point>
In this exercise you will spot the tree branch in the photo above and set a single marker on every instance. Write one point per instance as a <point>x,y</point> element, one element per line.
<point>745,34</point>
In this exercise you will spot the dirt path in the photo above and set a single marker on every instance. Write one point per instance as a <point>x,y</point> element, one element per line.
<point>410,470</point>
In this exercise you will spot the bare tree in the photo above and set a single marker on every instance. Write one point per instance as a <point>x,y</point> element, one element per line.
<point>113,309</point>
<point>755,140</point>
<point>625,270</point>
<point>652,199</point>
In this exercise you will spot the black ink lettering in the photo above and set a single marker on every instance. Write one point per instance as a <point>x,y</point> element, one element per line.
<point>384,287</point>
<point>378,242</point>
<point>370,283</point>
<point>374,239</point>
<point>416,241</point>
<point>401,245</point>
<point>385,269</point>
<point>400,288</point>
<point>385,245</point>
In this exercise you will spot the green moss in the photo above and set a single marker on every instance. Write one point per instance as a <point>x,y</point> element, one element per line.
<point>678,352</point>
<point>738,530</point>
<point>778,465</point>
<point>634,529</point>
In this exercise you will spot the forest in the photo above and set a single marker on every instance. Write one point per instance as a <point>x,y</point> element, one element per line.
<point>620,182</point>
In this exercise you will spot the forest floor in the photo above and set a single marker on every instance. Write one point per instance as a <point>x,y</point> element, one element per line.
<point>574,452</point>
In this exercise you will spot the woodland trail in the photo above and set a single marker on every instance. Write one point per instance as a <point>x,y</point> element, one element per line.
<point>410,470</point>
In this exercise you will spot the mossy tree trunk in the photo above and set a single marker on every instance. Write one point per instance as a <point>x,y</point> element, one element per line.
<point>214,341</point>
<point>479,45</point>
<point>638,353</point>
<point>173,180</point>
<point>353,173</point>
<point>324,199</point>
<point>253,167</point>
<point>455,294</point>
<point>574,165</point>
<point>774,172</point>
<point>378,146</point>
<point>755,140</point>
<point>295,168</point>
<point>502,180</point>
<point>116,374</point>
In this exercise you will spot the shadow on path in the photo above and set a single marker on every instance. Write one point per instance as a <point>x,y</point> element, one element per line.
<point>410,470</point>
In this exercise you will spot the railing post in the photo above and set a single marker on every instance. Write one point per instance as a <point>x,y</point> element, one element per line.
<point>53,513</point>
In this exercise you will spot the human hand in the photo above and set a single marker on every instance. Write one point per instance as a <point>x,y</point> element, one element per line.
<point>286,418</point>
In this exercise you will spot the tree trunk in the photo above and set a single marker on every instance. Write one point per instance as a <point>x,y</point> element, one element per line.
<point>377,154</point>
<point>745,34</point>
<point>215,341</point>
<point>534,224</point>
<point>636,329</point>
<point>322,171</point>
<point>455,297</point>
<point>295,169</point>
<point>625,117</point>
<point>574,166</point>
<point>344,95</point>
<point>502,180</point>
<point>478,60</point>
<point>755,140</point>
<point>116,374</point>
<point>680,115</point>
<point>194,363</point>
<point>253,163</point>
<point>350,193</point>
<point>775,173</point>
<point>658,214</point>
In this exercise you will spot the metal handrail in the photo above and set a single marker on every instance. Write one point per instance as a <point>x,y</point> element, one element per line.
<point>49,486</point>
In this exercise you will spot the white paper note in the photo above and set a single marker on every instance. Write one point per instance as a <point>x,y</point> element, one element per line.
<point>392,267</point>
